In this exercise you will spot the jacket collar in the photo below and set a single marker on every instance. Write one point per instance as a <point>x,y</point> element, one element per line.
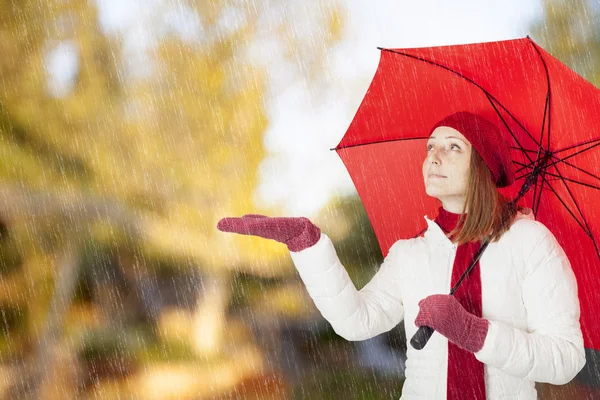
<point>435,233</point>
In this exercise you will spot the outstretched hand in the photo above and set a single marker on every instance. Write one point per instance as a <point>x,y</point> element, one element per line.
<point>298,233</point>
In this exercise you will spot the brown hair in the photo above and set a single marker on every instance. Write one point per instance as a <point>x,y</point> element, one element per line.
<point>487,211</point>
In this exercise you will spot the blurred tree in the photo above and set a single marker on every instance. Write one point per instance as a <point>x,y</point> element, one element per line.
<point>42,141</point>
<point>207,103</point>
<point>152,161</point>
<point>569,31</point>
<point>347,224</point>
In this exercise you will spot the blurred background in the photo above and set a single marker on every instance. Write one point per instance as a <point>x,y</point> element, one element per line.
<point>128,128</point>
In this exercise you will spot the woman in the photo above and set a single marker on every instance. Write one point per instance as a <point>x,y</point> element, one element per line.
<point>513,321</point>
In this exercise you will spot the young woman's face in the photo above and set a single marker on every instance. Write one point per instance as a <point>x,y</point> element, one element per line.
<point>446,167</point>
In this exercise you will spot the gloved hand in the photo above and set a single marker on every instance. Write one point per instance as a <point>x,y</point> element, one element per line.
<point>298,233</point>
<point>446,315</point>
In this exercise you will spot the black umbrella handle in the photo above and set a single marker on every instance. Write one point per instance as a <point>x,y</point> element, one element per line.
<point>420,339</point>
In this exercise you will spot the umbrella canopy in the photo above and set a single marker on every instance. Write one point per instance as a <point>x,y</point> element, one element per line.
<point>547,113</point>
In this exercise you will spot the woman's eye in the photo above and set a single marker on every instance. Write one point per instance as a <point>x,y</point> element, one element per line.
<point>429,147</point>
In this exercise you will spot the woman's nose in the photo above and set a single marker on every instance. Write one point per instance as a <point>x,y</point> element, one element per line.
<point>433,157</point>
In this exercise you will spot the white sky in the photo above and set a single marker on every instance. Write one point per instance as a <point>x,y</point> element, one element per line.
<point>301,174</point>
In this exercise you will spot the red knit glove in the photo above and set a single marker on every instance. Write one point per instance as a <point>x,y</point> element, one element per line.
<point>446,315</point>
<point>298,233</point>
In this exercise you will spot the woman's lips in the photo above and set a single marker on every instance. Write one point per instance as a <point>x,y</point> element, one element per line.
<point>436,176</point>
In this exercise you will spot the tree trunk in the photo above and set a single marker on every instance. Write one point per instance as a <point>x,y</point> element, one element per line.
<point>34,373</point>
<point>209,320</point>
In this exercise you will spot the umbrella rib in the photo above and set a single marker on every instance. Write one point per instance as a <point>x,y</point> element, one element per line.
<point>491,100</point>
<point>578,144</point>
<point>588,230</point>
<point>488,94</point>
<point>531,167</point>
<point>525,150</point>
<point>572,155</point>
<point>524,176</point>
<point>547,112</point>
<point>523,166</point>
<point>378,141</point>
<point>548,106</point>
<point>573,198</point>
<point>566,207</point>
<point>531,163</point>
<point>573,180</point>
<point>559,178</point>
<point>464,77</point>
<point>581,169</point>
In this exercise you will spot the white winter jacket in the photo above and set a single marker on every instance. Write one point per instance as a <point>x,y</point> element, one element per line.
<point>529,295</point>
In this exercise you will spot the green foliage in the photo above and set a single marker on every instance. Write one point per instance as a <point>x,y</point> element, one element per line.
<point>13,334</point>
<point>12,318</point>
<point>168,350</point>
<point>249,287</point>
<point>170,146</point>
<point>355,243</point>
<point>11,257</point>
<point>109,344</point>
<point>334,384</point>
<point>146,164</point>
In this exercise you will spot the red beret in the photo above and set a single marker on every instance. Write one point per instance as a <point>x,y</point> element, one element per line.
<point>486,139</point>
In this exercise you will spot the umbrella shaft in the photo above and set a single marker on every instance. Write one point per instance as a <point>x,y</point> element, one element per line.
<point>533,176</point>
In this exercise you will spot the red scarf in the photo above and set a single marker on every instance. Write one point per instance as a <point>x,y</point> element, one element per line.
<point>465,372</point>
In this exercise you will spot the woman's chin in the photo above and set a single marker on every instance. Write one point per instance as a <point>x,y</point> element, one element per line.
<point>433,190</point>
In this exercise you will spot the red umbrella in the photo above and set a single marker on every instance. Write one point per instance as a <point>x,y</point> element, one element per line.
<point>549,115</point>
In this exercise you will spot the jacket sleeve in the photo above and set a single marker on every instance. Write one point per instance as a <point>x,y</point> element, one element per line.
<point>552,348</point>
<point>353,314</point>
